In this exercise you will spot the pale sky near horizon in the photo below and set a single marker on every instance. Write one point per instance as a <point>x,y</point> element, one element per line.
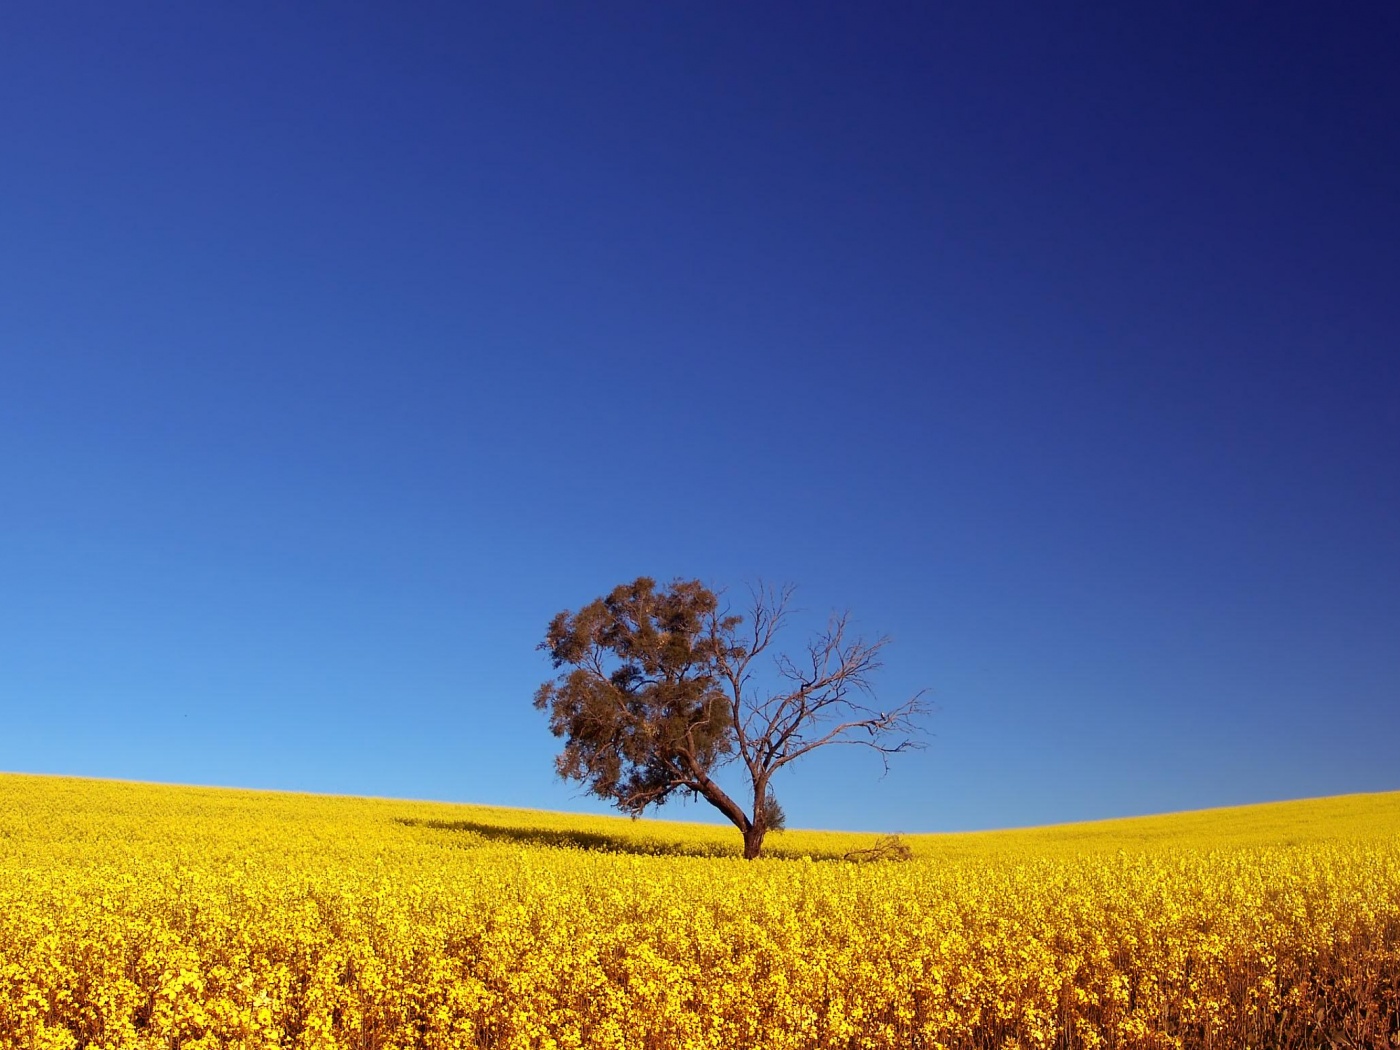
<point>343,345</point>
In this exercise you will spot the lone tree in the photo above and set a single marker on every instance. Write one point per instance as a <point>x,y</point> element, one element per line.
<point>657,691</point>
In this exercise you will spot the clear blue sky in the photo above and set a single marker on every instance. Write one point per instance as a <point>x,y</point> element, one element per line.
<point>341,345</point>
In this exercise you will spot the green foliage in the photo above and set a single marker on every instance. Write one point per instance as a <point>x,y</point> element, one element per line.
<point>774,818</point>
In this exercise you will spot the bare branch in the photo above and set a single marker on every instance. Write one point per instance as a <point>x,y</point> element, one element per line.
<point>822,707</point>
<point>880,727</point>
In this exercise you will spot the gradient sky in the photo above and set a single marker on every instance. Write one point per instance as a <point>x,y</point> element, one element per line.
<point>341,345</point>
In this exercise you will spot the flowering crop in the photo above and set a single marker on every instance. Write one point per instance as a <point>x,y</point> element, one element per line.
<point>139,916</point>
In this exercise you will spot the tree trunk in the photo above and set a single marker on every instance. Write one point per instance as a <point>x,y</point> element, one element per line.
<point>753,841</point>
<point>758,824</point>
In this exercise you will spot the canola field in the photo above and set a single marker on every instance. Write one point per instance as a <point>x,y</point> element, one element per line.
<point>144,916</point>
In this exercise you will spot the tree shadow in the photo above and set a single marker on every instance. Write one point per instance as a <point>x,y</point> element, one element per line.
<point>594,841</point>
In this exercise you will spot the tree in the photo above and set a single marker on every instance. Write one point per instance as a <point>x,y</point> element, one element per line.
<point>657,691</point>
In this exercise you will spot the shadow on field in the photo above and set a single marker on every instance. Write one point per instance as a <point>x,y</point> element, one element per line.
<point>594,841</point>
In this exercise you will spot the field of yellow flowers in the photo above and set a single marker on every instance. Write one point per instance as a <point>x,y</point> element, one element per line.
<point>142,916</point>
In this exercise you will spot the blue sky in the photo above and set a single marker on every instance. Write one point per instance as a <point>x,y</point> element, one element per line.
<point>343,345</point>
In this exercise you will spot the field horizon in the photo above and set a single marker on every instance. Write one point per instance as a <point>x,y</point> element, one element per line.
<point>1328,815</point>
